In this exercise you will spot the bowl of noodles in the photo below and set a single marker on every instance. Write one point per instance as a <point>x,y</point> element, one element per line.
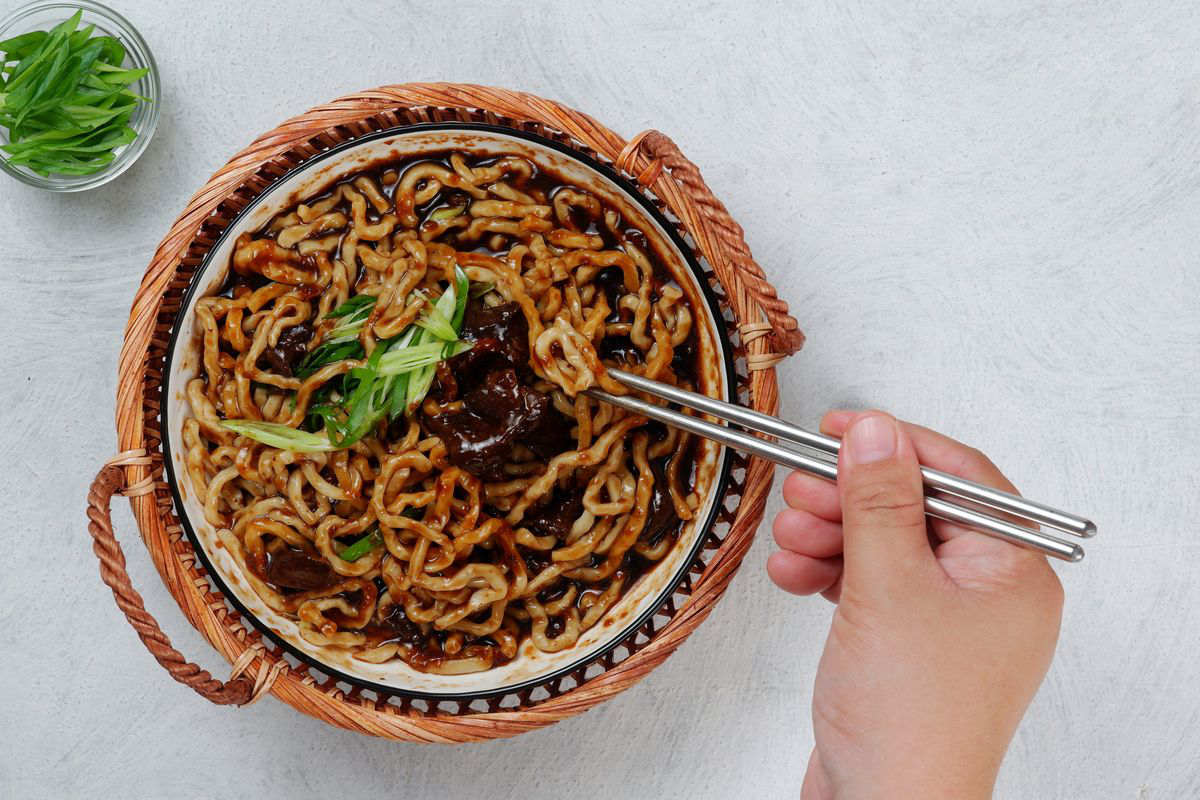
<point>375,425</point>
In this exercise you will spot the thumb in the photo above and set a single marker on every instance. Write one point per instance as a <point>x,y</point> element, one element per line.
<point>883,504</point>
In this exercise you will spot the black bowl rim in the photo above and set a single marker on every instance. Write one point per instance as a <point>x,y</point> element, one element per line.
<point>720,487</point>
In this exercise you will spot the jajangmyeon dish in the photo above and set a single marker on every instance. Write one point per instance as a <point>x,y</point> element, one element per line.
<point>387,429</point>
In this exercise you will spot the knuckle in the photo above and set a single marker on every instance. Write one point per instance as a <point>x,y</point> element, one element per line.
<point>1031,574</point>
<point>973,461</point>
<point>796,490</point>
<point>1011,566</point>
<point>976,457</point>
<point>779,528</point>
<point>886,499</point>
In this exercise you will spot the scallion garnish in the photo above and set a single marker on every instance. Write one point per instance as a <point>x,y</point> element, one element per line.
<point>360,547</point>
<point>281,436</point>
<point>391,382</point>
<point>448,213</point>
<point>365,405</point>
<point>65,99</point>
<point>397,388</point>
<point>437,320</point>
<point>480,289</point>
<point>407,359</point>
<point>453,304</point>
<point>462,292</point>
<point>342,340</point>
<point>352,306</point>
<point>352,320</point>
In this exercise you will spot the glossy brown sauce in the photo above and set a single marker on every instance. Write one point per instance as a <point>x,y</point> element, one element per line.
<point>501,410</point>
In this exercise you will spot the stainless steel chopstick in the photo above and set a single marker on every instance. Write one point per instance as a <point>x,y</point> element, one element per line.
<point>748,443</point>
<point>934,479</point>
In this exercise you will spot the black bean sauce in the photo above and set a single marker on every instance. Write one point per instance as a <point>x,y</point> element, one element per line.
<point>500,411</point>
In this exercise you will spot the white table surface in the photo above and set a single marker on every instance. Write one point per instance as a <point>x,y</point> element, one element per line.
<point>987,221</point>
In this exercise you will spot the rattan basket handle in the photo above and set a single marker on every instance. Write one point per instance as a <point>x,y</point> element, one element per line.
<point>110,481</point>
<point>651,152</point>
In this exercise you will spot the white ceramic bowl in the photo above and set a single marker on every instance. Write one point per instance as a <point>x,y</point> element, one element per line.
<point>531,666</point>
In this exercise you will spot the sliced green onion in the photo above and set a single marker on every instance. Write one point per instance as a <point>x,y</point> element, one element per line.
<point>360,547</point>
<point>447,214</point>
<point>18,47</point>
<point>328,353</point>
<point>64,99</point>
<point>281,436</point>
<point>398,388</point>
<point>462,292</point>
<point>352,322</point>
<point>452,304</point>
<point>125,77</point>
<point>480,289</point>
<point>363,405</point>
<point>343,334</point>
<point>444,318</point>
<point>354,304</point>
<point>419,384</point>
<point>413,357</point>
<point>324,415</point>
<point>341,342</point>
<point>393,380</point>
<point>439,325</point>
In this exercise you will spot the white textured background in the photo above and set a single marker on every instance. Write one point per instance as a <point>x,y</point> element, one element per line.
<point>987,221</point>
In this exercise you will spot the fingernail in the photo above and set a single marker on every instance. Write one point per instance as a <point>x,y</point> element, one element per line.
<point>872,438</point>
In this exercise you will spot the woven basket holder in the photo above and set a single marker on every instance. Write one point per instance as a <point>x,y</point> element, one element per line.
<point>757,324</point>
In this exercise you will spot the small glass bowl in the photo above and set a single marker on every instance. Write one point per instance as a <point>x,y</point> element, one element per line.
<point>45,14</point>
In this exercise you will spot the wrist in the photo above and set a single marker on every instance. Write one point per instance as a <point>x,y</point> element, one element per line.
<point>948,775</point>
<point>948,780</point>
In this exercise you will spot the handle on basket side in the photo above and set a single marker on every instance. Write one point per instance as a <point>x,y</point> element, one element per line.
<point>662,153</point>
<point>110,481</point>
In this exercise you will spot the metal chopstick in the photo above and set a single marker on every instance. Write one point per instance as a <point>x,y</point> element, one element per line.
<point>934,506</point>
<point>934,479</point>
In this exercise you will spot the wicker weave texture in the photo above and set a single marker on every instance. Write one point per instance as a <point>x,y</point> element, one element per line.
<point>761,323</point>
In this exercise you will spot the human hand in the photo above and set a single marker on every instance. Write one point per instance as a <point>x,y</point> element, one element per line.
<point>941,634</point>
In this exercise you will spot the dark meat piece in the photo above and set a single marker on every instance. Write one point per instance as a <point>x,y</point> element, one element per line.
<point>468,369</point>
<point>284,356</point>
<point>499,412</point>
<point>500,409</point>
<point>500,337</point>
<point>472,443</point>
<point>551,437</point>
<point>506,324</point>
<point>293,569</point>
<point>502,398</point>
<point>556,517</point>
